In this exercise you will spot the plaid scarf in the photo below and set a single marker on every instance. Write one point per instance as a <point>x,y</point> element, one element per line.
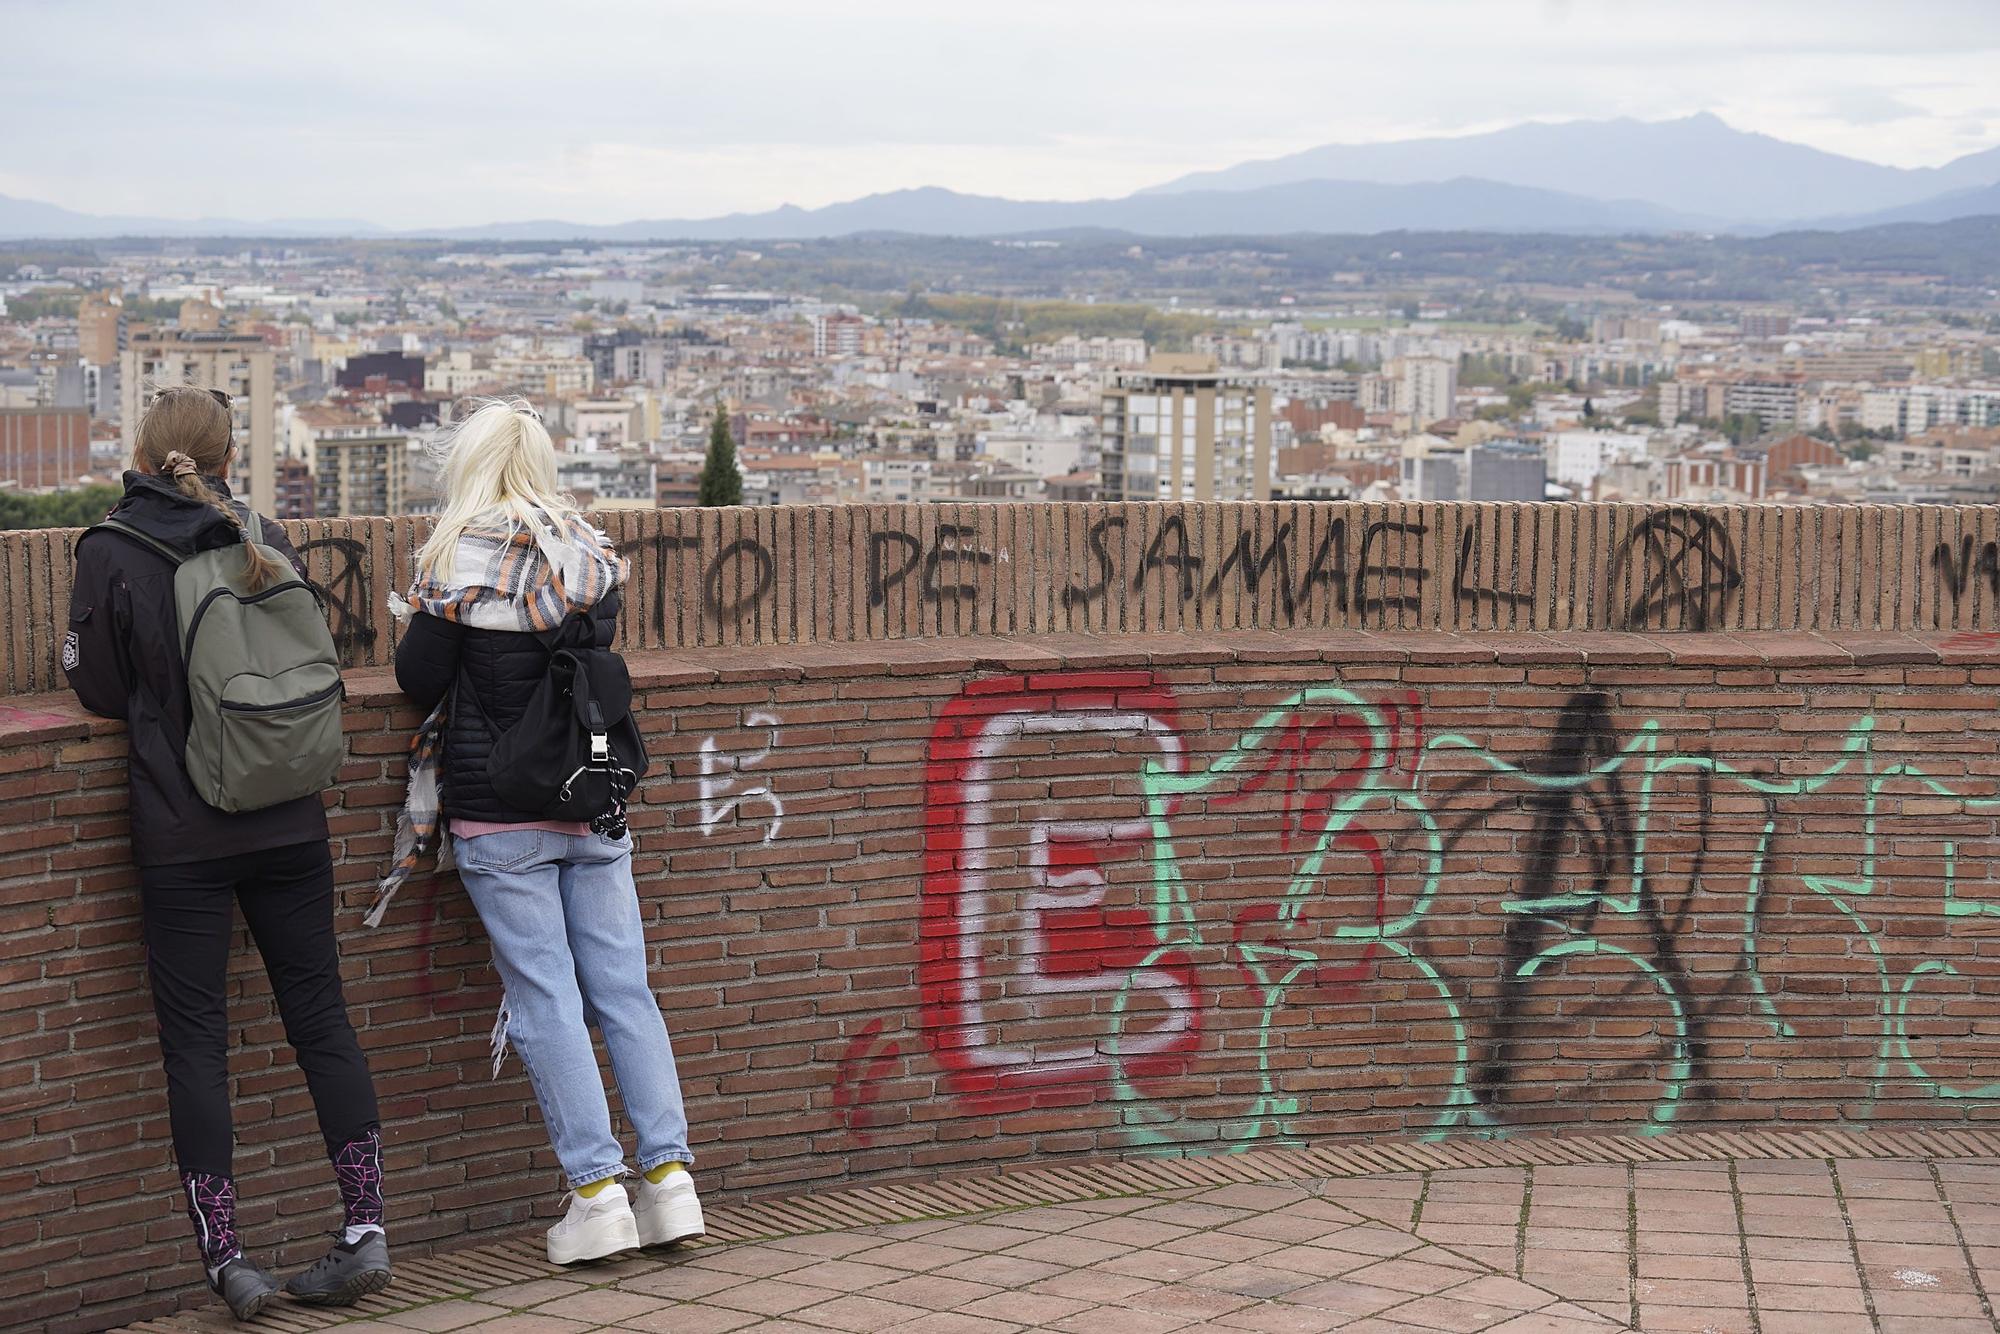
<point>504,578</point>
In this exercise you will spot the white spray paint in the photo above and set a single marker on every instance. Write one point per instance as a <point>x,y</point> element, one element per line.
<point>727,789</point>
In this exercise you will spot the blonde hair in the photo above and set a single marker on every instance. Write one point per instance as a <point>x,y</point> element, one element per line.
<point>499,464</point>
<point>188,434</point>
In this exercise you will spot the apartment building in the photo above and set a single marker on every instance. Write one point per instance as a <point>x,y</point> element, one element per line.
<point>1181,430</point>
<point>604,479</point>
<point>1100,350</point>
<point>1909,409</point>
<point>296,491</point>
<point>612,423</point>
<point>1498,470</point>
<point>454,375</point>
<point>244,368</point>
<point>677,479</point>
<point>544,376</point>
<point>1580,457</point>
<point>1039,453</point>
<point>360,469</point>
<point>1773,400</point>
<point>1426,389</point>
<point>1687,399</point>
<point>387,369</point>
<point>1238,351</point>
<point>43,449</point>
<point>100,329</point>
<point>837,335</point>
<point>1764,323</point>
<point>895,479</point>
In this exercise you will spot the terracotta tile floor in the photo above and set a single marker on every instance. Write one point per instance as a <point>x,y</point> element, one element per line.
<point>1731,1245</point>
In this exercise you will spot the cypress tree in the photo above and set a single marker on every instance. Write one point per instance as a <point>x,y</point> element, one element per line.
<point>721,484</point>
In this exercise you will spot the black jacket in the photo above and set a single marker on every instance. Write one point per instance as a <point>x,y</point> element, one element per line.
<point>493,673</point>
<point>123,659</point>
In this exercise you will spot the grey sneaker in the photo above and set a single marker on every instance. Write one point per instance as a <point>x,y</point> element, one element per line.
<point>245,1285</point>
<point>345,1274</point>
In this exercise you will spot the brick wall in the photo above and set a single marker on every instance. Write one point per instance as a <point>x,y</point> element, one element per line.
<point>918,906</point>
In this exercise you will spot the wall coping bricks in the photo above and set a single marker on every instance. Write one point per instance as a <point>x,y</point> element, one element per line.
<point>737,578</point>
<point>56,714</point>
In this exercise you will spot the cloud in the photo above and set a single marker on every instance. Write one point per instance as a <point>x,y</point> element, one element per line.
<point>463,111</point>
<point>1871,106</point>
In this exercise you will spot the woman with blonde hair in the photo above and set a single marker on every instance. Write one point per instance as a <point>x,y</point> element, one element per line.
<point>511,580</point>
<point>124,658</point>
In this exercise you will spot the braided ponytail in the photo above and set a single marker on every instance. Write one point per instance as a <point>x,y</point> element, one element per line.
<point>185,436</point>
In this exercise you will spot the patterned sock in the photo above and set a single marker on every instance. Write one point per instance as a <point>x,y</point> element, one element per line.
<point>659,1173</point>
<point>212,1209</point>
<point>357,1167</point>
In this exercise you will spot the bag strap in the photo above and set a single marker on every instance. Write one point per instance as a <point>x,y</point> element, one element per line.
<point>142,538</point>
<point>571,626</point>
<point>255,527</point>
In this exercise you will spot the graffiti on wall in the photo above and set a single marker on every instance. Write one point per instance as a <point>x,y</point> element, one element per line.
<point>1677,568</point>
<point>344,594</point>
<point>1533,930</point>
<point>731,790</point>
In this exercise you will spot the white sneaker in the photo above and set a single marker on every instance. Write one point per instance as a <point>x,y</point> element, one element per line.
<point>668,1212</point>
<point>594,1228</point>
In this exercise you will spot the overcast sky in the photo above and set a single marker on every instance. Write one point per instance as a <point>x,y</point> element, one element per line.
<point>413,113</point>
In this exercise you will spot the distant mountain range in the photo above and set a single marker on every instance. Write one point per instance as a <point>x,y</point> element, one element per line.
<point>1696,173</point>
<point>24,218</point>
<point>1697,165</point>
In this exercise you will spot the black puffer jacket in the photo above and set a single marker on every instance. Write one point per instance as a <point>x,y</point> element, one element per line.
<point>494,674</point>
<point>122,654</point>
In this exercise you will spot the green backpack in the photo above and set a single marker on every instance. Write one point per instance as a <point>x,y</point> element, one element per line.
<point>264,689</point>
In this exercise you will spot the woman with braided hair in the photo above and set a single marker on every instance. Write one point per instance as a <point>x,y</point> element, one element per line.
<point>123,658</point>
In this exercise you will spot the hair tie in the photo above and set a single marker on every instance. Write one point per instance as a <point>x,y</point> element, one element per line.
<point>180,465</point>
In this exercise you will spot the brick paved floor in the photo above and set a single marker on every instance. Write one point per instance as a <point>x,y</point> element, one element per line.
<point>1802,1244</point>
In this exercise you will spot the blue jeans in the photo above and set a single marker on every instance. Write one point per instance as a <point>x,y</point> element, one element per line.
<point>563,915</point>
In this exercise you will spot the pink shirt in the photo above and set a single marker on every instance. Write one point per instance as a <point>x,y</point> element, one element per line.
<point>474,828</point>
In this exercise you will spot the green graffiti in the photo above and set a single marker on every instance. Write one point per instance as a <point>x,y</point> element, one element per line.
<point>1663,1111</point>
<point>1904,1051</point>
<point>1274,967</point>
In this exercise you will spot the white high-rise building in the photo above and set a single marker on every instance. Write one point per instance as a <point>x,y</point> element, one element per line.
<point>837,335</point>
<point>1427,389</point>
<point>1581,455</point>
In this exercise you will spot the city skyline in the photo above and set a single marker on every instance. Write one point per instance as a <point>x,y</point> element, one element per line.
<point>454,116</point>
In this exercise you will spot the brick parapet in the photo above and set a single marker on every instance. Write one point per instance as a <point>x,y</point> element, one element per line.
<point>915,906</point>
<point>734,578</point>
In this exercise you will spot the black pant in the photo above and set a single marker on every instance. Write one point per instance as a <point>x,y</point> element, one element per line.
<point>287,898</point>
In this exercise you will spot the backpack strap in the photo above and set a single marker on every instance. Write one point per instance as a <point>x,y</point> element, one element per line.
<point>255,526</point>
<point>144,539</point>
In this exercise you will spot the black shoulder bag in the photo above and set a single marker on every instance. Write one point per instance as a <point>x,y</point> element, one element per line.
<point>576,753</point>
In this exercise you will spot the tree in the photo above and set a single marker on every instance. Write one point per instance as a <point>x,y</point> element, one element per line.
<point>57,509</point>
<point>721,484</point>
<point>1742,426</point>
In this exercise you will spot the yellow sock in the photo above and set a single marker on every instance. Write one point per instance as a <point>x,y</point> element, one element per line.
<point>594,1187</point>
<point>658,1174</point>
